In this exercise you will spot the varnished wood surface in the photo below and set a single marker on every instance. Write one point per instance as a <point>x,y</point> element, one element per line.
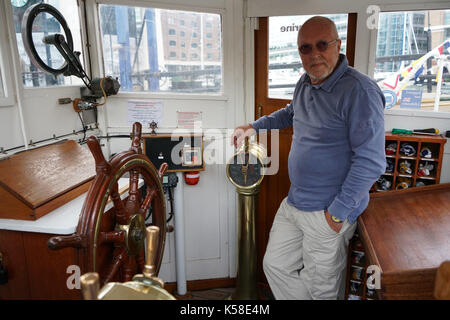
<point>40,175</point>
<point>14,260</point>
<point>406,233</point>
<point>13,208</point>
<point>442,284</point>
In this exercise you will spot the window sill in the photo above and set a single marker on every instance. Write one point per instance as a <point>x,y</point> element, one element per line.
<point>170,96</point>
<point>418,113</point>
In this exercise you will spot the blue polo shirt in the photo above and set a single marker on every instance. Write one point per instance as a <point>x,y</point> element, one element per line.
<point>338,142</point>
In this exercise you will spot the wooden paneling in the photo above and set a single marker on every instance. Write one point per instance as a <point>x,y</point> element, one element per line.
<point>34,271</point>
<point>11,246</point>
<point>13,208</point>
<point>48,268</point>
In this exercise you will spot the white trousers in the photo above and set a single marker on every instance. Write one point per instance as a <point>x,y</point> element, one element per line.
<point>305,258</point>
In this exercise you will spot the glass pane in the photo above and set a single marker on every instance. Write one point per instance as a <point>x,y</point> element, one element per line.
<point>45,25</point>
<point>162,50</point>
<point>411,49</point>
<point>285,67</point>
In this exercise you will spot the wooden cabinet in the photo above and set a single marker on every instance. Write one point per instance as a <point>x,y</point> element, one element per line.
<point>36,182</point>
<point>405,234</point>
<point>357,263</point>
<point>411,161</point>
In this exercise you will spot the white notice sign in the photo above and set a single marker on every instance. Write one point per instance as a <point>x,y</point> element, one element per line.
<point>144,111</point>
<point>188,120</point>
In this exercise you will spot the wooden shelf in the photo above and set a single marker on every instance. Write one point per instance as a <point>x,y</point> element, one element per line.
<point>418,142</point>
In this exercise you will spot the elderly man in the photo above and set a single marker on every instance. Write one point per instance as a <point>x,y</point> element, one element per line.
<point>337,153</point>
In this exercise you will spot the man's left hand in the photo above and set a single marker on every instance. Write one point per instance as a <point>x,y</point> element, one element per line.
<point>336,226</point>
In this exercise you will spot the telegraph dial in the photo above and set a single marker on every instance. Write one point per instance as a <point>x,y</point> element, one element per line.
<point>245,169</point>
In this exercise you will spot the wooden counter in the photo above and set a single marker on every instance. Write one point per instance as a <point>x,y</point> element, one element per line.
<point>407,234</point>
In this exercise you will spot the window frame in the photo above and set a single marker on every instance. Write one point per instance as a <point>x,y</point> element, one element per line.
<point>8,98</point>
<point>222,96</point>
<point>86,62</point>
<point>372,55</point>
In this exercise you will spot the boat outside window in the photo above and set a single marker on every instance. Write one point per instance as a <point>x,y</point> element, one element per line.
<point>412,62</point>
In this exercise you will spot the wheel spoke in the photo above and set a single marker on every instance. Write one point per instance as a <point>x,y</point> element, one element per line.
<point>133,193</point>
<point>129,268</point>
<point>117,236</point>
<point>151,193</point>
<point>118,261</point>
<point>122,215</point>
<point>141,261</point>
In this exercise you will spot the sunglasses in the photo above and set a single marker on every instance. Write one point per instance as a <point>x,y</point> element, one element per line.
<point>321,45</point>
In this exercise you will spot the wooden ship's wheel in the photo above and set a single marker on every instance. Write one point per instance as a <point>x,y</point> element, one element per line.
<point>111,243</point>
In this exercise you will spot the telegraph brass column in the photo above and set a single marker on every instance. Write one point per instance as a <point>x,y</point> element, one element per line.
<point>245,171</point>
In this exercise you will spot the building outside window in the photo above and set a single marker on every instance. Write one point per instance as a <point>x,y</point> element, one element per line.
<point>413,58</point>
<point>136,49</point>
<point>285,67</point>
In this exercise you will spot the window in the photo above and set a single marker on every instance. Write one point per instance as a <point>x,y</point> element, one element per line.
<point>137,50</point>
<point>182,33</point>
<point>209,35</point>
<point>194,45</point>
<point>413,62</point>
<point>285,67</point>
<point>46,25</point>
<point>6,87</point>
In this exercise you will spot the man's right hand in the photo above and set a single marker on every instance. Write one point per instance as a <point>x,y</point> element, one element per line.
<point>240,133</point>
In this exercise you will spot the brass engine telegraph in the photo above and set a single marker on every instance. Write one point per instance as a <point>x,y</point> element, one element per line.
<point>144,286</point>
<point>245,170</point>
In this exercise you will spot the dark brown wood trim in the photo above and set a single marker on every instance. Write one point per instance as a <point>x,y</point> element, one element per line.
<point>351,38</point>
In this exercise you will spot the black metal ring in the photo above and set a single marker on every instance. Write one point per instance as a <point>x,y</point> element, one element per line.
<point>27,35</point>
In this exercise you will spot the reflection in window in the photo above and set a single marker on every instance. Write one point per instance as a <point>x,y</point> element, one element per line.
<point>413,50</point>
<point>45,25</point>
<point>136,49</point>
<point>285,66</point>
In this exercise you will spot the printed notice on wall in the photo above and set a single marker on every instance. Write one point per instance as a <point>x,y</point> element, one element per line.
<point>144,111</point>
<point>188,120</point>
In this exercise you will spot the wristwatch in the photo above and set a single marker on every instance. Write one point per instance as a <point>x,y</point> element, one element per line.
<point>336,219</point>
